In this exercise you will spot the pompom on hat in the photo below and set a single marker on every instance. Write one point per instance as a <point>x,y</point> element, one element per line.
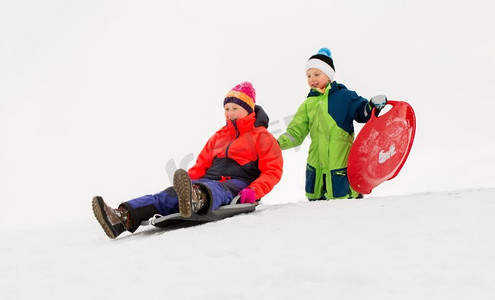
<point>322,61</point>
<point>242,94</point>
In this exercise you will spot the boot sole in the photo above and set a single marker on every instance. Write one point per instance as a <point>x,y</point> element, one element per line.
<point>183,188</point>
<point>101,217</point>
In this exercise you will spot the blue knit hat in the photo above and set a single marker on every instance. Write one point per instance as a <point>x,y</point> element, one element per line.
<point>322,61</point>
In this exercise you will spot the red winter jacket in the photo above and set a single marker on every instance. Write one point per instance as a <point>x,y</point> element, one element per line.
<point>243,149</point>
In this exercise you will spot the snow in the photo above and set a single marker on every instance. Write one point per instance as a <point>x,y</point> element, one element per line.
<point>109,97</point>
<point>429,245</point>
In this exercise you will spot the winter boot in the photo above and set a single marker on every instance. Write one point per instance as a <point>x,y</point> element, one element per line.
<point>191,197</point>
<point>199,200</point>
<point>113,221</point>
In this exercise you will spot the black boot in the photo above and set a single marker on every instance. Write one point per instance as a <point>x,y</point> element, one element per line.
<point>113,221</point>
<point>191,197</point>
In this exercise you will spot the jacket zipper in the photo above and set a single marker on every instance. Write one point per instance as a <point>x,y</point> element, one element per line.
<point>236,136</point>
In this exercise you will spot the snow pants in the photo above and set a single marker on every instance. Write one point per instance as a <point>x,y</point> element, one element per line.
<point>166,202</point>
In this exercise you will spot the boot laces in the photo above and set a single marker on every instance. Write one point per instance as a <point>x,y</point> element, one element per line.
<point>123,214</point>
<point>198,198</point>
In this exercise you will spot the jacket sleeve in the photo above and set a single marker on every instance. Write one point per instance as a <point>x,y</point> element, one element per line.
<point>360,108</point>
<point>297,130</point>
<point>270,164</point>
<point>204,160</point>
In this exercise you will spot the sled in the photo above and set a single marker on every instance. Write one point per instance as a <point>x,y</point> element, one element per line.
<point>223,212</point>
<point>381,147</point>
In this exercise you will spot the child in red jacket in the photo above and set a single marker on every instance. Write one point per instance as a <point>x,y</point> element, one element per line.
<point>242,158</point>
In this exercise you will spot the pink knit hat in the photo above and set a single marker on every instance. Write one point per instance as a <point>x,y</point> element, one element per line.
<point>242,94</point>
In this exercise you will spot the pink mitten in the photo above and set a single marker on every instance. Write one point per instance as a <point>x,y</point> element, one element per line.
<point>247,196</point>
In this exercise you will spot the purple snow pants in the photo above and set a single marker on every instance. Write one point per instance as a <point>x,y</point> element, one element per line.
<point>166,202</point>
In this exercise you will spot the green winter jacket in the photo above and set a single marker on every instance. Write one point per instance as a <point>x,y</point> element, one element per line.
<point>328,118</point>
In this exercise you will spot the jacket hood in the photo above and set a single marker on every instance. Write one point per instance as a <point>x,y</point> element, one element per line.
<point>262,118</point>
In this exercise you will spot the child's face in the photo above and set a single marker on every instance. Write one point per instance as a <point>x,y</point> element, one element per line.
<point>234,111</point>
<point>317,79</point>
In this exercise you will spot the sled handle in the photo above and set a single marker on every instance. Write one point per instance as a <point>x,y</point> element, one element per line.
<point>391,102</point>
<point>234,201</point>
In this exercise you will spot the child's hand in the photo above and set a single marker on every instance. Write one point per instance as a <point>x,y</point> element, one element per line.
<point>247,196</point>
<point>378,101</point>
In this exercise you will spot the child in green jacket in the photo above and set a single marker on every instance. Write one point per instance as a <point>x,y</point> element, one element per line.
<point>327,115</point>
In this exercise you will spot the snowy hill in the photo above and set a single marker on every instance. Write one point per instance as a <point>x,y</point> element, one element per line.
<point>422,246</point>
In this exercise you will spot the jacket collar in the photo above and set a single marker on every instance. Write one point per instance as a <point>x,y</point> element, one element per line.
<point>241,126</point>
<point>258,118</point>
<point>331,88</point>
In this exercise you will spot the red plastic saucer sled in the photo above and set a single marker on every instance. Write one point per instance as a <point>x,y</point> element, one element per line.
<point>381,147</point>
